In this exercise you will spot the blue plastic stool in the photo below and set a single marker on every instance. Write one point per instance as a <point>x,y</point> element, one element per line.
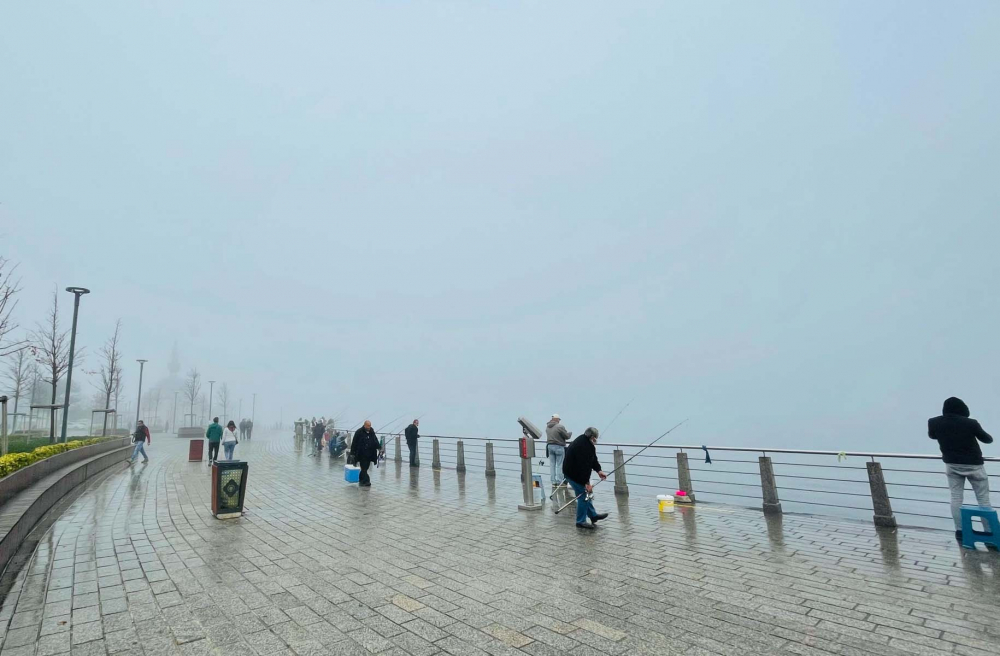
<point>990,521</point>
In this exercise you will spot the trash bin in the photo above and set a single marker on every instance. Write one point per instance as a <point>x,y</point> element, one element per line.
<point>196,450</point>
<point>229,487</point>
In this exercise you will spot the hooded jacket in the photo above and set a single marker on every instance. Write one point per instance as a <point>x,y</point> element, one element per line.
<point>957,434</point>
<point>581,459</point>
<point>412,434</point>
<point>214,432</point>
<point>556,433</point>
<point>141,433</point>
<point>365,445</point>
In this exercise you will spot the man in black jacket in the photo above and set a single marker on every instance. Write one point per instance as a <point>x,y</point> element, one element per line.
<point>957,437</point>
<point>412,434</point>
<point>317,434</point>
<point>581,459</point>
<point>365,448</point>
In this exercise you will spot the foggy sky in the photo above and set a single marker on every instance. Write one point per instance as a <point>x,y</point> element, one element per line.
<point>778,219</point>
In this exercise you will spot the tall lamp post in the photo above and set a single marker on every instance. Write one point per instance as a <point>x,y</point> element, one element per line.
<point>77,293</point>
<point>211,388</point>
<point>253,410</point>
<point>138,403</point>
<point>173,421</point>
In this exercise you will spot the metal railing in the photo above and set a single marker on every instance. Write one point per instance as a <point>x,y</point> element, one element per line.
<point>878,487</point>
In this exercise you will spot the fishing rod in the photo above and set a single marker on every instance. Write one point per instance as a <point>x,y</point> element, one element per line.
<point>395,432</point>
<point>389,423</point>
<point>603,432</point>
<point>620,466</point>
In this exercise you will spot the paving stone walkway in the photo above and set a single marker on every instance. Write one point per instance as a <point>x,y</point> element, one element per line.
<point>428,563</point>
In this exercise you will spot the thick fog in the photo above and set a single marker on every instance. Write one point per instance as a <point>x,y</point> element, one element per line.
<point>778,219</point>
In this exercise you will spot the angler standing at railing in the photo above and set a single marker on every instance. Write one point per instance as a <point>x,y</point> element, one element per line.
<point>412,435</point>
<point>957,436</point>
<point>581,459</point>
<point>556,438</point>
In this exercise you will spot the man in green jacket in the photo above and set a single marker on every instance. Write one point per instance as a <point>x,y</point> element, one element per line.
<point>214,435</point>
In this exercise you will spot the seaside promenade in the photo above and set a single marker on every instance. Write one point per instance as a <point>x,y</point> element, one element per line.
<point>436,562</point>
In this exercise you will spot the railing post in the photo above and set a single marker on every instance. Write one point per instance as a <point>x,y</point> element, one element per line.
<point>880,496</point>
<point>460,457</point>
<point>621,484</point>
<point>490,469</point>
<point>436,461</point>
<point>684,476</point>
<point>768,486</point>
<point>399,454</point>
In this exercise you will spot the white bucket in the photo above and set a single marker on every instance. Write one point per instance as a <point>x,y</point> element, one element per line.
<point>665,502</point>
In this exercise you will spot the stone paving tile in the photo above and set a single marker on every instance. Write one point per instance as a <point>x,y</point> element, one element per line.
<point>137,565</point>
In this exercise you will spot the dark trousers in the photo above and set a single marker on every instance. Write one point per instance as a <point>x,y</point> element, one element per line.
<point>213,451</point>
<point>414,455</point>
<point>363,476</point>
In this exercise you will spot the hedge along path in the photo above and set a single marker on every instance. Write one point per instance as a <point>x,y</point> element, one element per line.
<point>11,462</point>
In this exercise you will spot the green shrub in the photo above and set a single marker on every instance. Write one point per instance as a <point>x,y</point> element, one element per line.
<point>11,462</point>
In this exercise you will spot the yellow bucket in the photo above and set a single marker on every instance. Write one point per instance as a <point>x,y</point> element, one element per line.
<point>666,502</point>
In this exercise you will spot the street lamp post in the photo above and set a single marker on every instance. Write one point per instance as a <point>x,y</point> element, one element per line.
<point>138,403</point>
<point>77,293</point>
<point>253,410</point>
<point>173,420</point>
<point>211,388</point>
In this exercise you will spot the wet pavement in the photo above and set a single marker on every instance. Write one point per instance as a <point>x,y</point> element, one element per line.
<point>428,562</point>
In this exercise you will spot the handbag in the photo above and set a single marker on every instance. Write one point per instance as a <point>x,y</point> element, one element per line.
<point>350,459</point>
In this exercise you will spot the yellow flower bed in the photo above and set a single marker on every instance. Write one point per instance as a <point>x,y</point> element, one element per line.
<point>11,462</point>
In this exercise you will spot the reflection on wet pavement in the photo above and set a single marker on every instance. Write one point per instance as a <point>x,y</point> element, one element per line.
<point>428,562</point>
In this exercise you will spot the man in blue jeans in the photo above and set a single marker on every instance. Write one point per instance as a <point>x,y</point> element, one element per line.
<point>139,438</point>
<point>556,438</point>
<point>581,459</point>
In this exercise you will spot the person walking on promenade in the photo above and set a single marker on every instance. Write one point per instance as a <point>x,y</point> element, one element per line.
<point>365,449</point>
<point>243,428</point>
<point>958,437</point>
<point>249,429</point>
<point>412,435</point>
<point>555,446</point>
<point>581,459</point>
<point>140,438</point>
<point>317,435</point>
<point>214,436</point>
<point>229,440</point>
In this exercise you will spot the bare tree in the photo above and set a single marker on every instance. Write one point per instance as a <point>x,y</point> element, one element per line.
<point>117,393</point>
<point>224,399</point>
<point>192,388</point>
<point>154,402</point>
<point>52,352</point>
<point>9,287</point>
<point>18,376</point>
<point>110,371</point>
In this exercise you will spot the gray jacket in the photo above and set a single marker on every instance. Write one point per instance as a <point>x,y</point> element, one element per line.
<point>556,433</point>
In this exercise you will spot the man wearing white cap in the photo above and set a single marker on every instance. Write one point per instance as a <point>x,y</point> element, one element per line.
<point>556,439</point>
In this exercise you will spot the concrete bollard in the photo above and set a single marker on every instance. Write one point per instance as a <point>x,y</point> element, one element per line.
<point>490,469</point>
<point>399,452</point>
<point>460,457</point>
<point>436,460</point>
<point>621,484</point>
<point>684,476</point>
<point>768,486</point>
<point>880,496</point>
